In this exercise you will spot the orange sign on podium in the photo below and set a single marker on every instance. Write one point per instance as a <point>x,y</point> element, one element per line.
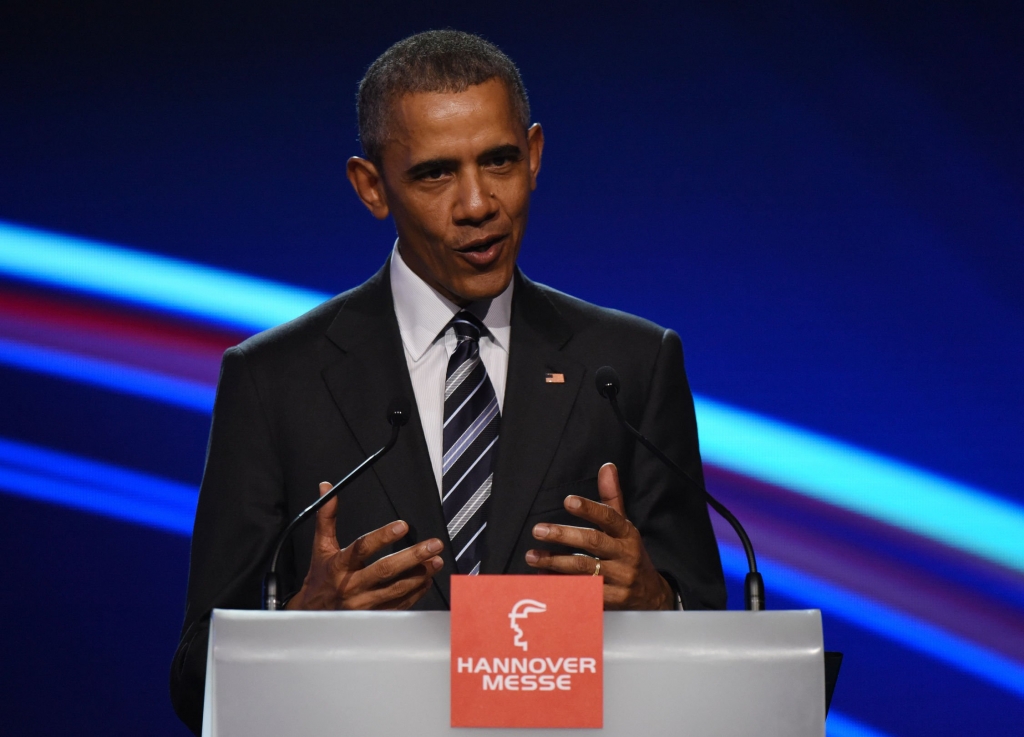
<point>527,651</point>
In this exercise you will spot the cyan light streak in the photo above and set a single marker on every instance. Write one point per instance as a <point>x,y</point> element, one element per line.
<point>51,476</point>
<point>892,624</point>
<point>867,483</point>
<point>161,282</point>
<point>117,377</point>
<point>59,478</point>
<point>762,448</point>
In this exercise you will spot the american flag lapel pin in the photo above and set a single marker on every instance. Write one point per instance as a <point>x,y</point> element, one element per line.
<point>551,378</point>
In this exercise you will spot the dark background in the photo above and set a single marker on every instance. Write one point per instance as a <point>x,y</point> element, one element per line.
<point>825,200</point>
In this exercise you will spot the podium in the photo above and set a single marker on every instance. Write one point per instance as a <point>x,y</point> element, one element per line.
<point>387,673</point>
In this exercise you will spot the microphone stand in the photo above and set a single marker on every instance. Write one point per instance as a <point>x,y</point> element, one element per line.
<point>398,415</point>
<point>608,387</point>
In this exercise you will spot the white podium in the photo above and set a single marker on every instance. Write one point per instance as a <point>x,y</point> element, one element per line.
<point>370,673</point>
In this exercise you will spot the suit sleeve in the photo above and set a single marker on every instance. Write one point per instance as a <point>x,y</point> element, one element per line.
<point>673,516</point>
<point>240,511</point>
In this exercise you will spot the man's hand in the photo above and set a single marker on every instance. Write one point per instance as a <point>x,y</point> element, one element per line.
<point>337,578</point>
<point>630,580</point>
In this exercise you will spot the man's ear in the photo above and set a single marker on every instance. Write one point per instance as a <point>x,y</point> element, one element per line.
<point>535,143</point>
<point>369,186</point>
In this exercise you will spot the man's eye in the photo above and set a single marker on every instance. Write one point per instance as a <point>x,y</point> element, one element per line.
<point>501,161</point>
<point>433,174</point>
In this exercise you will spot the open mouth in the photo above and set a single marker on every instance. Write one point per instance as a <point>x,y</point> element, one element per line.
<point>483,253</point>
<point>481,246</point>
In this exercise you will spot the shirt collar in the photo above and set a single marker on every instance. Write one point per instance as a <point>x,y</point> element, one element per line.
<point>423,312</point>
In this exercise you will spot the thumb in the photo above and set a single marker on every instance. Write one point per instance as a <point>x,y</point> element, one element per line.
<point>326,535</point>
<point>609,489</point>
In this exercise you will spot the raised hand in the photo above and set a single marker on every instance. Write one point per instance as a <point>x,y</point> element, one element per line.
<point>630,579</point>
<point>338,579</point>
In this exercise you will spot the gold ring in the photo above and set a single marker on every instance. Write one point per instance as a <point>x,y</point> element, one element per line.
<point>597,568</point>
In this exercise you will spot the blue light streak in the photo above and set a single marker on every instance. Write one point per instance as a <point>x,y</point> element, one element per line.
<point>51,476</point>
<point>892,624</point>
<point>840,725</point>
<point>762,448</point>
<point>160,282</point>
<point>59,478</point>
<point>117,377</point>
<point>861,481</point>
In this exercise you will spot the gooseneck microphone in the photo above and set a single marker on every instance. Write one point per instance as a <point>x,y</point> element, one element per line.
<point>398,414</point>
<point>608,387</point>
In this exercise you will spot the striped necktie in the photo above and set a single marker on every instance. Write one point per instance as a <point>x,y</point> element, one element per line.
<point>471,420</point>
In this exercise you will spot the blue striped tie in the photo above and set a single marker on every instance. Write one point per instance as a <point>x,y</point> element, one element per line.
<point>471,420</point>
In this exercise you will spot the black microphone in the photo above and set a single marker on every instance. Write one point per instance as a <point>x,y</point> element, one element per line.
<point>398,414</point>
<point>608,387</point>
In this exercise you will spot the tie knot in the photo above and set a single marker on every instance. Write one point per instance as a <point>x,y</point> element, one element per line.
<point>466,326</point>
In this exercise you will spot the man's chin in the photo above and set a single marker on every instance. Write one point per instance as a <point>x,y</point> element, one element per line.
<point>483,286</point>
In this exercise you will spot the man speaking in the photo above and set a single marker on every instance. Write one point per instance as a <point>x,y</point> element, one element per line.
<point>511,461</point>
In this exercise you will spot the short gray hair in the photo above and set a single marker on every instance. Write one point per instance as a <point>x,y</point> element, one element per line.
<point>433,61</point>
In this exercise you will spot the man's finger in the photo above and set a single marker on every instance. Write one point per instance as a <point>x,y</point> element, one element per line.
<point>325,536</point>
<point>615,597</point>
<point>609,489</point>
<point>390,596</point>
<point>367,545</point>
<point>593,541</point>
<point>578,565</point>
<point>396,564</point>
<point>410,599</point>
<point>602,515</point>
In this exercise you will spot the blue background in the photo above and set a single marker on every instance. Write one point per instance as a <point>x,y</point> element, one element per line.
<point>827,203</point>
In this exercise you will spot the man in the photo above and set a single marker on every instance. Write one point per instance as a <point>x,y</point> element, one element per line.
<point>511,462</point>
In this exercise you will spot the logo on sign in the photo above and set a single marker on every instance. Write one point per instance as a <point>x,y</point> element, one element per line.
<point>523,609</point>
<point>548,673</point>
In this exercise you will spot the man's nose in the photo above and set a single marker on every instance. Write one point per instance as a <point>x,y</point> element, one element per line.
<point>475,204</point>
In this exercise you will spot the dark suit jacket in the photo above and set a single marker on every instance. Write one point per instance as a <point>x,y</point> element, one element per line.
<point>305,402</point>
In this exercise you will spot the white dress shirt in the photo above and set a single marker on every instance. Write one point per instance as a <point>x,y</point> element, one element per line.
<point>422,314</point>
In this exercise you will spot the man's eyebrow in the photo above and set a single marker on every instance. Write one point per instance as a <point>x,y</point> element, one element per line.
<point>430,165</point>
<point>505,151</point>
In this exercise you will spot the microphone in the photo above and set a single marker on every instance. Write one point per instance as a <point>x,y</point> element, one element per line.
<point>608,387</point>
<point>398,415</point>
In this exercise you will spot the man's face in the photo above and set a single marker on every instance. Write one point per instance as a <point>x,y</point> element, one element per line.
<point>457,173</point>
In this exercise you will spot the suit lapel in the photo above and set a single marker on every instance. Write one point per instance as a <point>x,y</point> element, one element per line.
<point>362,383</point>
<point>534,416</point>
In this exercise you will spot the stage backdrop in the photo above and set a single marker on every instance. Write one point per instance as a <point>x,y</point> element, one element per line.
<point>826,203</point>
